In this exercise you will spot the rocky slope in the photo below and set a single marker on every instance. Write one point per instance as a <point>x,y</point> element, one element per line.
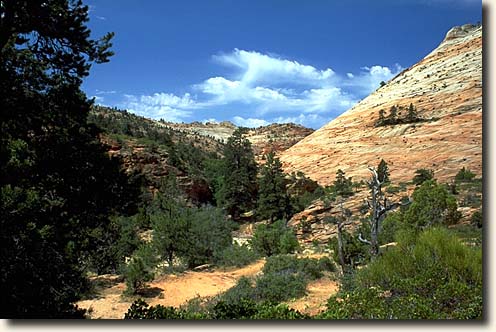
<point>275,137</point>
<point>153,149</point>
<point>446,89</point>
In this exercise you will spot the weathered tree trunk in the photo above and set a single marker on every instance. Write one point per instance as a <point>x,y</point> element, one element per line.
<point>341,250</point>
<point>379,206</point>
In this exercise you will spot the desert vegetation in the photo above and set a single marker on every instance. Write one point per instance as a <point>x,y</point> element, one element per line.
<point>88,192</point>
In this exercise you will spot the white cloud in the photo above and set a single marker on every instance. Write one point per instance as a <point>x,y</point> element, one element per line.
<point>250,122</point>
<point>369,78</point>
<point>105,92</point>
<point>308,120</point>
<point>257,68</point>
<point>160,106</point>
<point>264,86</point>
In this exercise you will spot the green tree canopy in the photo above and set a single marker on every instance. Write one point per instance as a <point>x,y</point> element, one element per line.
<point>383,171</point>
<point>273,200</point>
<point>57,185</point>
<point>239,191</point>
<point>342,185</point>
<point>432,205</point>
<point>422,175</point>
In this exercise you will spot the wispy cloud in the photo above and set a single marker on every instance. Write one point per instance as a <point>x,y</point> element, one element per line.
<point>105,92</point>
<point>264,88</point>
<point>160,106</point>
<point>250,122</point>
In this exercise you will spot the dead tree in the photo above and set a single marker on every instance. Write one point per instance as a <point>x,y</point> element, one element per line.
<point>379,206</point>
<point>341,223</point>
<point>343,220</point>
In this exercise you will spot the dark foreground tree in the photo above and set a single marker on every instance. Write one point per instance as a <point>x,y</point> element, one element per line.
<point>57,184</point>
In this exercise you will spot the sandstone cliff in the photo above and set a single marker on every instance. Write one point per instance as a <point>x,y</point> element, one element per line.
<point>446,89</point>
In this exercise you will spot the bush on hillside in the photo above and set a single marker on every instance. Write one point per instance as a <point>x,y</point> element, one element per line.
<point>274,239</point>
<point>429,276</point>
<point>139,270</point>
<point>237,255</point>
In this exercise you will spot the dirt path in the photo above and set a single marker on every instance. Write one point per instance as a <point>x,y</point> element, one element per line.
<point>175,290</point>
<point>167,290</point>
<point>318,292</point>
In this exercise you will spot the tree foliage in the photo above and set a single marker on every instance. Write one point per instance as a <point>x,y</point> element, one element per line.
<point>273,200</point>
<point>239,186</point>
<point>383,171</point>
<point>394,118</point>
<point>58,187</point>
<point>342,185</point>
<point>274,239</point>
<point>432,205</point>
<point>464,175</point>
<point>422,175</point>
<point>429,276</point>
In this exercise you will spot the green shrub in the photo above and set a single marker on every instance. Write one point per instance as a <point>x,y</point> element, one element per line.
<point>243,289</point>
<point>242,309</point>
<point>355,252</point>
<point>471,200</point>
<point>277,311</point>
<point>476,218</point>
<point>422,175</point>
<point>432,205</point>
<point>464,175</point>
<point>429,276</point>
<point>278,287</point>
<point>390,227</point>
<point>236,255</point>
<point>305,267</point>
<point>141,310</point>
<point>274,239</point>
<point>139,270</point>
<point>209,234</point>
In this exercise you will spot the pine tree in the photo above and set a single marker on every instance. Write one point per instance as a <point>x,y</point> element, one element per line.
<point>57,185</point>
<point>381,119</point>
<point>273,200</point>
<point>383,171</point>
<point>411,116</point>
<point>342,185</point>
<point>393,113</point>
<point>239,188</point>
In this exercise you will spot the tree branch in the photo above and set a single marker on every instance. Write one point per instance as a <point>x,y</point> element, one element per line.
<point>361,239</point>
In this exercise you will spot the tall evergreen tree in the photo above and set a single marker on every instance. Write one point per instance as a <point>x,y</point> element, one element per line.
<point>342,185</point>
<point>239,188</point>
<point>383,171</point>
<point>57,184</point>
<point>411,116</point>
<point>273,200</point>
<point>393,113</point>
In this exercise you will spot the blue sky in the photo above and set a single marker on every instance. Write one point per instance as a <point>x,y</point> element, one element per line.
<point>258,62</point>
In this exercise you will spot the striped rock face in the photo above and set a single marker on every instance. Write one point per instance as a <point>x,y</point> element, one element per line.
<point>445,87</point>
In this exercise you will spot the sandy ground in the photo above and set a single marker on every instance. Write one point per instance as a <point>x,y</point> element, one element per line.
<point>174,290</point>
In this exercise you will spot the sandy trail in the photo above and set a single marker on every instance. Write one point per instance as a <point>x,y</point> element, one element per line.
<point>167,290</point>
<point>175,290</point>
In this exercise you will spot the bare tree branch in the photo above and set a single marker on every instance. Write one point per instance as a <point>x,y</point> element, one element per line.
<point>361,239</point>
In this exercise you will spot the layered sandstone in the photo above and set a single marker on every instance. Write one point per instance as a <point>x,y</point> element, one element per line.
<point>446,89</point>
